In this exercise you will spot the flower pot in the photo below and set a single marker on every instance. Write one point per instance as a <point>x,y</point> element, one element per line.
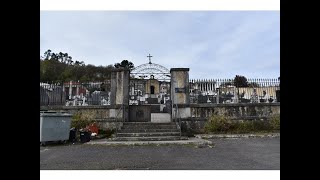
<point>85,136</point>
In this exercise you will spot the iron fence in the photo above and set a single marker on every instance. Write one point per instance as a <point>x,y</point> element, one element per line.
<point>228,91</point>
<point>75,93</point>
<point>201,91</point>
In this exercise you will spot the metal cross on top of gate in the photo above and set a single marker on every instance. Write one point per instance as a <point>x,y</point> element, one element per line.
<point>149,58</point>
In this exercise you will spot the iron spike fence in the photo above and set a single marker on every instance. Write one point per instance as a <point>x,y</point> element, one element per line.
<point>201,91</point>
<point>220,91</point>
<point>75,93</point>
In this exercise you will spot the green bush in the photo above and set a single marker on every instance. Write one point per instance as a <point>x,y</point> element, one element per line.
<point>108,133</point>
<point>223,124</point>
<point>275,122</point>
<point>217,124</point>
<point>81,119</point>
<point>243,126</point>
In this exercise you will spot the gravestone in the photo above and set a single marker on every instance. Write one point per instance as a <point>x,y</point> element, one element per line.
<point>96,98</point>
<point>202,99</point>
<point>152,100</point>
<point>168,107</point>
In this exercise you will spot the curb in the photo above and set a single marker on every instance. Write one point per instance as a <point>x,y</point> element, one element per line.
<point>198,142</point>
<point>216,136</point>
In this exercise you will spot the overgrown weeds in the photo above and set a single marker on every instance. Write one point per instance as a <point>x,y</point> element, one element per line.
<point>219,124</point>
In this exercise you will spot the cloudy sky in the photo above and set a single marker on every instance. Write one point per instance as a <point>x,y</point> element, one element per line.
<point>213,44</point>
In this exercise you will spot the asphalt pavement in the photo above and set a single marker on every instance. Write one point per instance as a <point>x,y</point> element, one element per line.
<point>226,154</point>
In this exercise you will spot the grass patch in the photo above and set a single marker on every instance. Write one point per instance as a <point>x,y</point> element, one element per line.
<point>219,124</point>
<point>275,122</point>
<point>106,133</point>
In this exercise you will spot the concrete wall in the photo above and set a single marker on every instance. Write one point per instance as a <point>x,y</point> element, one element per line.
<point>235,111</point>
<point>200,113</point>
<point>107,117</point>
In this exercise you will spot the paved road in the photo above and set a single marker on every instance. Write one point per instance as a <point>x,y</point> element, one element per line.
<point>228,154</point>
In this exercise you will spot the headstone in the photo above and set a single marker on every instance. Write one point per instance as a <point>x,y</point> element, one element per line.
<point>96,98</point>
<point>103,102</point>
<point>152,100</point>
<point>168,107</point>
<point>84,101</point>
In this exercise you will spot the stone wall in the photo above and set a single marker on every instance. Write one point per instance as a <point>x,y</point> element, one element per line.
<point>235,111</point>
<point>106,116</point>
<point>200,113</point>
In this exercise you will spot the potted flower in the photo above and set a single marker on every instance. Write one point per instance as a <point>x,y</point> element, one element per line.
<point>80,121</point>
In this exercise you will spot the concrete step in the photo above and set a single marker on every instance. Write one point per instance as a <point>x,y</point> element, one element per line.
<point>149,127</point>
<point>147,130</point>
<point>156,134</point>
<point>160,117</point>
<point>154,138</point>
<point>148,123</point>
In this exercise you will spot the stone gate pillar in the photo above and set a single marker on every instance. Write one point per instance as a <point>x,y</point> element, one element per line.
<point>119,95</point>
<point>180,92</point>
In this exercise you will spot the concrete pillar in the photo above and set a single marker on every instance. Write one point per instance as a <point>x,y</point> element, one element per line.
<point>180,92</point>
<point>70,89</point>
<point>218,94</point>
<point>119,87</point>
<point>120,90</point>
<point>236,98</point>
<point>77,89</point>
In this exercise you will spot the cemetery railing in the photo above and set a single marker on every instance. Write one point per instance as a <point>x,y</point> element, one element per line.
<point>219,91</point>
<point>75,93</point>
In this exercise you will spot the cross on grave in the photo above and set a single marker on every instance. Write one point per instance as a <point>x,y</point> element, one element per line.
<point>149,58</point>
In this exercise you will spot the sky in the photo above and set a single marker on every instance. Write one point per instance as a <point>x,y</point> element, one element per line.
<point>213,44</point>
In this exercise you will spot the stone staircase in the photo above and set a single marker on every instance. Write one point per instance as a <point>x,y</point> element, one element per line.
<point>148,131</point>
